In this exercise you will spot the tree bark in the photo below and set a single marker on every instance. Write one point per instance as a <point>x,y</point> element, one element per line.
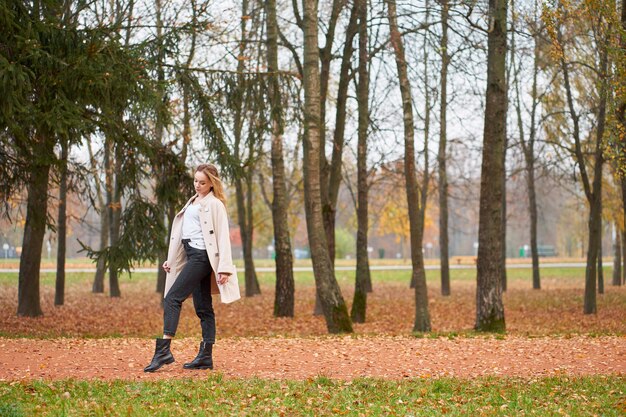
<point>250,224</point>
<point>359,304</point>
<point>28,303</point>
<point>98,281</point>
<point>285,287</point>
<point>489,306</point>
<point>528,150</point>
<point>330,174</point>
<point>158,133</point>
<point>593,190</point>
<point>532,203</point>
<point>59,287</point>
<point>623,182</point>
<point>590,306</point>
<point>333,305</point>
<point>334,170</point>
<point>251,284</point>
<point>241,182</point>
<point>442,154</point>
<point>503,279</point>
<point>600,266</point>
<point>161,274</point>
<point>422,317</point>
<point>617,257</point>
<point>113,208</point>
<point>622,121</point>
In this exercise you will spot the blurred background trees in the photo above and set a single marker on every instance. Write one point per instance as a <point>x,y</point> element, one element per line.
<point>107,106</point>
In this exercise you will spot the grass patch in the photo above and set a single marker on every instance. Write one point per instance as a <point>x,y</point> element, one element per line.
<point>215,396</point>
<point>563,275</point>
<point>554,310</point>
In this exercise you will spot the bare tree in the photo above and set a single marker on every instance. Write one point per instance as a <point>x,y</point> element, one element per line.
<point>442,154</point>
<point>98,281</point>
<point>592,186</point>
<point>59,288</point>
<point>528,145</point>
<point>422,317</point>
<point>359,305</point>
<point>284,298</point>
<point>617,256</point>
<point>489,306</point>
<point>333,305</point>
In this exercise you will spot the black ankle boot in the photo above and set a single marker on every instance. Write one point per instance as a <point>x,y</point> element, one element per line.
<point>204,360</point>
<point>162,355</point>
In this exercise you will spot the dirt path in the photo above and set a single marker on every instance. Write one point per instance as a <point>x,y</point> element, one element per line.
<point>301,358</point>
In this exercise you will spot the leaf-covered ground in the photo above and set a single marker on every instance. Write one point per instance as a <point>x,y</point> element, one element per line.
<point>555,309</point>
<point>337,357</point>
<point>94,336</point>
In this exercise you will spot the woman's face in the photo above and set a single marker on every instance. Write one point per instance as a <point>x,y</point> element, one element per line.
<point>201,183</point>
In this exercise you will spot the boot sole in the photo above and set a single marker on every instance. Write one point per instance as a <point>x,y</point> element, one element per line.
<point>197,367</point>
<point>160,366</point>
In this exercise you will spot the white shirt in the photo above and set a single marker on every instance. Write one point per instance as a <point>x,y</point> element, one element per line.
<point>191,227</point>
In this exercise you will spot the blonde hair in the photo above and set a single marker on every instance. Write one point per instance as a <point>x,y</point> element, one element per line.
<point>217,187</point>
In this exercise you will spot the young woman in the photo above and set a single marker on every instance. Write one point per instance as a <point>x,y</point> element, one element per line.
<point>199,263</point>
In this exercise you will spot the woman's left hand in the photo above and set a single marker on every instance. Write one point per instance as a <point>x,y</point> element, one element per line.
<point>222,278</point>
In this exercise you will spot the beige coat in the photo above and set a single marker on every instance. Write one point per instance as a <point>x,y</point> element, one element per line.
<point>214,224</point>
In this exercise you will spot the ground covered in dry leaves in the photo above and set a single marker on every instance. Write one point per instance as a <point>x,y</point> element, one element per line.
<point>343,357</point>
<point>94,336</point>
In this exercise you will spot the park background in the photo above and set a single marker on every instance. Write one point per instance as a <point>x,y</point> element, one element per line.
<point>441,183</point>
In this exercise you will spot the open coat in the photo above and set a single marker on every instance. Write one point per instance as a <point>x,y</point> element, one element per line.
<point>214,224</point>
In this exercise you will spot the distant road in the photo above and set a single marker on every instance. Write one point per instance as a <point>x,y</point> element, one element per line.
<point>345,268</point>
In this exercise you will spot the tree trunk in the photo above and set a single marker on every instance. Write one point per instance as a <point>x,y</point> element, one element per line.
<point>28,303</point>
<point>489,306</point>
<point>59,288</point>
<point>359,304</point>
<point>245,228</point>
<point>595,217</point>
<point>622,109</point>
<point>249,263</point>
<point>592,252</point>
<point>529,156</point>
<point>334,170</point>
<point>532,202</point>
<point>98,281</point>
<point>159,130</point>
<point>114,209</point>
<point>330,172</point>
<point>623,182</point>
<point>528,149</point>
<point>285,287</point>
<point>241,182</point>
<point>161,274</point>
<point>422,317</point>
<point>617,258</point>
<point>503,280</point>
<point>600,268</point>
<point>593,191</point>
<point>335,311</point>
<point>442,154</point>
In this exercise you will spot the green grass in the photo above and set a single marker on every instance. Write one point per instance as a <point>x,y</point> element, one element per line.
<point>215,396</point>
<point>343,277</point>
